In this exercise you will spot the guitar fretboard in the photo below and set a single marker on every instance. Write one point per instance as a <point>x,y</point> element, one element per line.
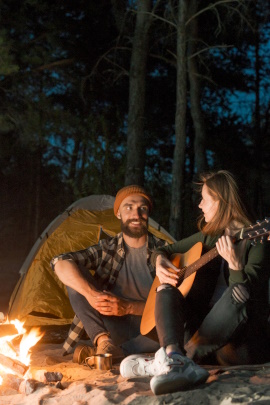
<point>206,258</point>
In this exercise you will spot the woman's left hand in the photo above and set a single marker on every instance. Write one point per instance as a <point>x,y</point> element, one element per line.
<point>232,253</point>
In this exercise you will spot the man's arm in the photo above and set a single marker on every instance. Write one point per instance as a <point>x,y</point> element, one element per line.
<point>67,271</point>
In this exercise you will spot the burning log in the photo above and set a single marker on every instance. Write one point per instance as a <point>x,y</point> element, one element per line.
<point>11,381</point>
<point>8,349</point>
<point>14,365</point>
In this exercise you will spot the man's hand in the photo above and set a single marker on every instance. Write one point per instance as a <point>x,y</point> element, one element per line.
<point>92,296</point>
<point>164,271</point>
<point>232,253</point>
<point>108,304</point>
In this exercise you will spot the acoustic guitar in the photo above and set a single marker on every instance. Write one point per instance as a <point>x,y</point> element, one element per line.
<point>189,263</point>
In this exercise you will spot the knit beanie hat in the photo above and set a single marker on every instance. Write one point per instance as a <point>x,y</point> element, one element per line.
<point>130,190</point>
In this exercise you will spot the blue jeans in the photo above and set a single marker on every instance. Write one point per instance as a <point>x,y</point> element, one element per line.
<point>223,331</point>
<point>123,330</point>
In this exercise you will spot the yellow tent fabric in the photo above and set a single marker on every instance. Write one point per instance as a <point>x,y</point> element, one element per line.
<point>39,298</point>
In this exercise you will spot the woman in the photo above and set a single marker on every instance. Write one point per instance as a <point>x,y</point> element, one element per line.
<point>224,316</point>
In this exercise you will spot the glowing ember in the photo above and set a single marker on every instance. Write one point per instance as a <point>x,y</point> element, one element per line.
<point>21,354</point>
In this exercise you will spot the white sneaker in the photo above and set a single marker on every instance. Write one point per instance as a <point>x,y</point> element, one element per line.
<point>177,373</point>
<point>137,365</point>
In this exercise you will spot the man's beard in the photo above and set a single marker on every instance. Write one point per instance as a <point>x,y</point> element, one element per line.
<point>135,232</point>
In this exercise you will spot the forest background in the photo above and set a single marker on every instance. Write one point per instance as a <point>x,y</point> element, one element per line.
<point>96,95</point>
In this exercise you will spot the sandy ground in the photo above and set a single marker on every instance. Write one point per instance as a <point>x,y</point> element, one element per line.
<point>81,385</point>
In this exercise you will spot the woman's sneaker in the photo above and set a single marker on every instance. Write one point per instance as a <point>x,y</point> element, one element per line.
<point>137,365</point>
<point>176,373</point>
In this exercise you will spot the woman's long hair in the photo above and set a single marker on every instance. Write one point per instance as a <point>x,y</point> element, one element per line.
<point>223,188</point>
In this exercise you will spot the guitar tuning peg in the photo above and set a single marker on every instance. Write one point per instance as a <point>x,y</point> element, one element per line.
<point>264,238</point>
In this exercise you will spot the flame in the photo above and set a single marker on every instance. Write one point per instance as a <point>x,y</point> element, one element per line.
<point>19,326</point>
<point>27,342</point>
<point>21,354</point>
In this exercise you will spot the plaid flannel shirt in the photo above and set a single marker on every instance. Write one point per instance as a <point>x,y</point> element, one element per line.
<point>106,260</point>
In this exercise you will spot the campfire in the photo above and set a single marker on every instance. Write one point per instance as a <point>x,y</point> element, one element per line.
<point>15,358</point>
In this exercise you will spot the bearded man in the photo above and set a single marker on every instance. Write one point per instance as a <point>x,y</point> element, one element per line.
<point>109,300</point>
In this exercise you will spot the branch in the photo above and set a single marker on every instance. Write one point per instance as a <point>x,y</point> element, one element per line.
<point>55,64</point>
<point>105,56</point>
<point>222,2</point>
<point>213,5</point>
<point>208,48</point>
<point>169,61</point>
<point>157,17</point>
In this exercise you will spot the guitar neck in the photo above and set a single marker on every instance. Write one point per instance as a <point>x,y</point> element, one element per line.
<point>206,258</point>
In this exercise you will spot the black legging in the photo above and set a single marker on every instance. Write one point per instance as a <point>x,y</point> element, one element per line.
<point>223,332</point>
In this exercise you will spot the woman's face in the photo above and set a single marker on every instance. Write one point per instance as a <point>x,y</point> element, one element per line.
<point>208,205</point>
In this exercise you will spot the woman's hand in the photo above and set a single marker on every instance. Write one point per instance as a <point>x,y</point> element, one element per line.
<point>232,253</point>
<point>166,271</point>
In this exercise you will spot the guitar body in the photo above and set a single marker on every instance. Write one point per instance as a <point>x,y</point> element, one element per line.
<point>180,261</point>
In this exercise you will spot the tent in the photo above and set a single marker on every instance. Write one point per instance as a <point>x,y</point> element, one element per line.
<point>39,298</point>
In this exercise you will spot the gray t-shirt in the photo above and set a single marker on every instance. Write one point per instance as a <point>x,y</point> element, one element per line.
<point>134,280</point>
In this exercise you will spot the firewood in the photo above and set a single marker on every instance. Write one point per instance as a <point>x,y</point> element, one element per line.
<point>59,385</point>
<point>15,365</point>
<point>53,376</point>
<point>8,349</point>
<point>11,381</point>
<point>28,386</point>
<point>46,376</point>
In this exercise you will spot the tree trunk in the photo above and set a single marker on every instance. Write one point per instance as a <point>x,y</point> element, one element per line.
<point>195,92</point>
<point>258,197</point>
<point>38,159</point>
<point>74,158</point>
<point>135,136</point>
<point>180,126</point>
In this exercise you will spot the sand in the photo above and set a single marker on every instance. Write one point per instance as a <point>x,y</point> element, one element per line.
<point>81,385</point>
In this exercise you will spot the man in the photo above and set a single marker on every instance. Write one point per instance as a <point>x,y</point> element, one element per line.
<point>110,304</point>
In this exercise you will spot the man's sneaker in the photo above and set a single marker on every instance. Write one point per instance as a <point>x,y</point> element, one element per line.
<point>136,365</point>
<point>176,373</point>
<point>82,352</point>
<point>106,346</point>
